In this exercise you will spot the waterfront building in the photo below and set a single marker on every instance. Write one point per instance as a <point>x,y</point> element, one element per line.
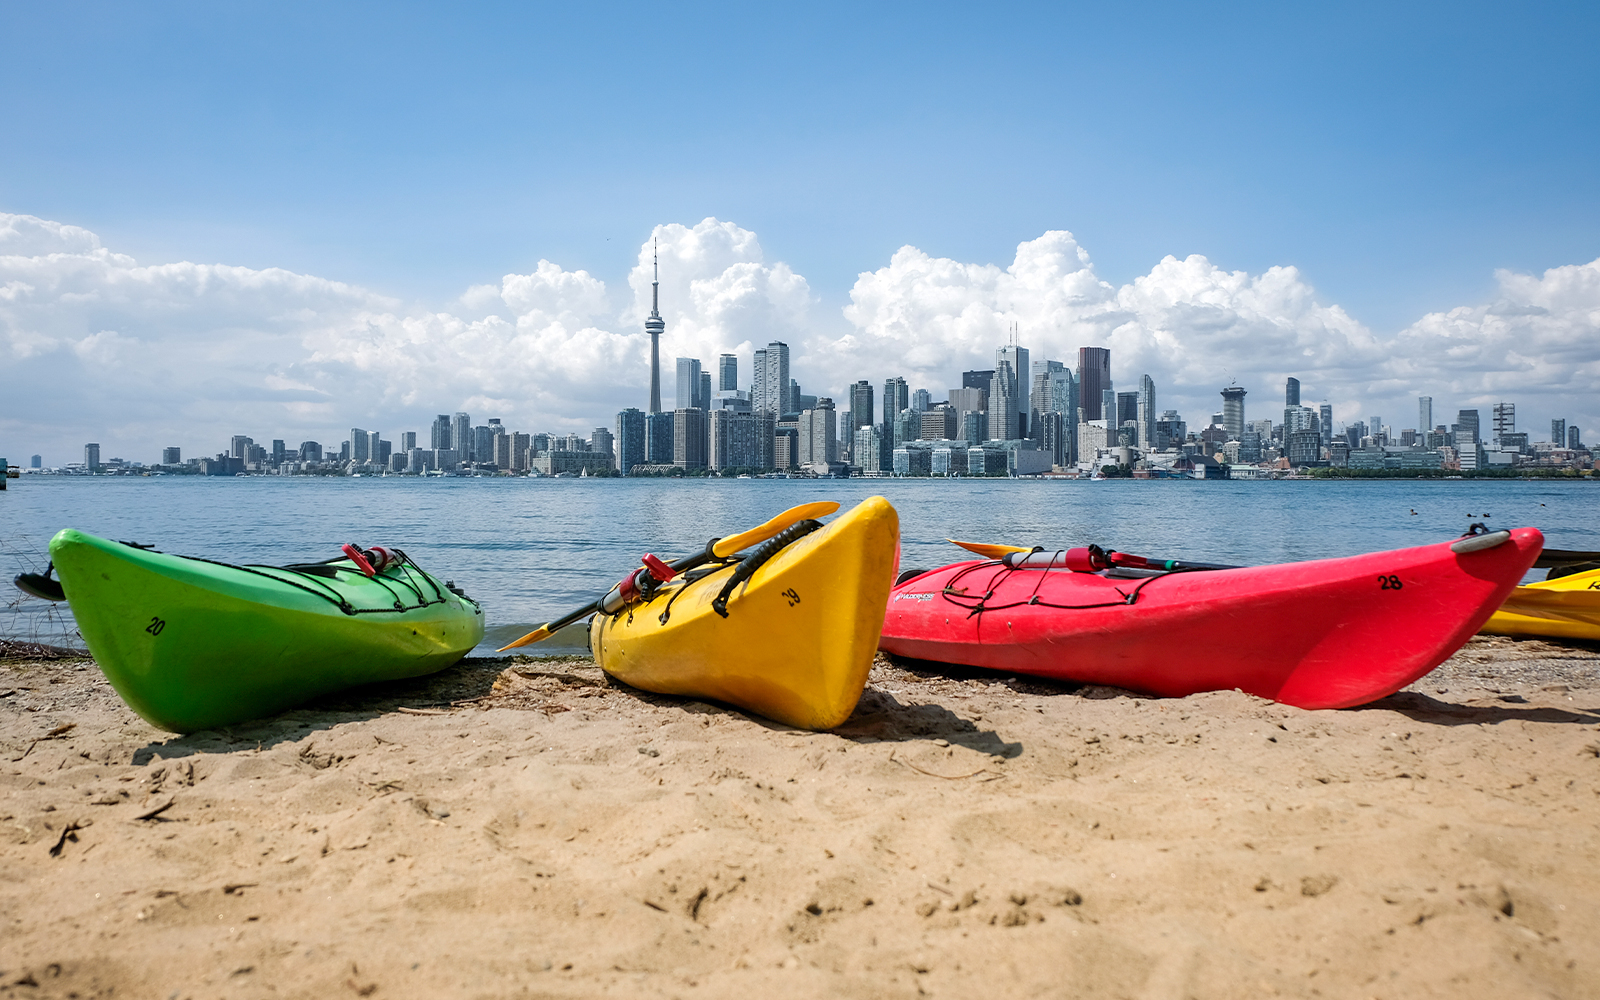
<point>356,447</point>
<point>91,457</point>
<point>461,435</point>
<point>36,462</point>
<point>719,428</point>
<point>1466,427</point>
<point>689,437</point>
<point>602,443</point>
<point>374,439</point>
<point>521,450</point>
<point>1325,424</point>
<point>501,454</point>
<point>740,440</point>
<point>869,448</point>
<point>420,460</point>
<point>655,326</point>
<point>630,440</point>
<point>1094,378</point>
<point>278,451</point>
<point>1233,411</point>
<point>310,451</point>
<point>1291,392</point>
<point>1424,413</point>
<point>240,447</point>
<point>1574,439</point>
<point>169,456</point>
<point>1558,432</point>
<point>658,430</point>
<point>1302,447</point>
<point>727,373</point>
<point>1092,438</point>
<point>1128,410</point>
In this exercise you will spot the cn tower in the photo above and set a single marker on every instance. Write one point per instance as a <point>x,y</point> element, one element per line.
<point>655,326</point>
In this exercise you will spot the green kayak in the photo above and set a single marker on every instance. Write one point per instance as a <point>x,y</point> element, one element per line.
<point>192,644</point>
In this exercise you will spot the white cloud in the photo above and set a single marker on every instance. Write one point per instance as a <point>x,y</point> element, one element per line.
<point>100,347</point>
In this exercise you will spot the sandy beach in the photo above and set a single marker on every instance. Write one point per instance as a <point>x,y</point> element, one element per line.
<point>524,828</point>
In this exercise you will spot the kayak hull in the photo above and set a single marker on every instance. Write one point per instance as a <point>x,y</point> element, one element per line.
<point>1326,634</point>
<point>192,645</point>
<point>799,638</point>
<point>1567,607</point>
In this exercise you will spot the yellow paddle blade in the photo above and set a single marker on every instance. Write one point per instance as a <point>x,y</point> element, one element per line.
<point>794,515</point>
<point>988,551</point>
<point>542,632</point>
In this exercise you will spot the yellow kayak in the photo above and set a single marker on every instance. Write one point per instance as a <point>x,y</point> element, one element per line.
<point>798,635</point>
<point>1565,608</point>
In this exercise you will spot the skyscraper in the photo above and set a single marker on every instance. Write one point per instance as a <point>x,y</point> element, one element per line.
<point>1466,427</point>
<point>1022,371</point>
<point>1039,394</point>
<point>91,457</point>
<point>461,436</point>
<point>1505,420</point>
<point>689,437</point>
<point>358,445</point>
<point>1094,378</point>
<point>769,388</point>
<point>1291,392</point>
<point>1233,411</point>
<point>1147,412</point>
<point>1002,402</point>
<point>658,437</point>
<point>688,383</point>
<point>728,373</point>
<point>1558,432</point>
<point>440,438</point>
<point>629,441</point>
<point>1424,414</point>
<point>896,397</point>
<point>655,326</point>
<point>1325,421</point>
<point>861,406</point>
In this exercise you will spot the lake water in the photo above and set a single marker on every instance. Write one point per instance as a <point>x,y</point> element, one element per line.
<point>532,549</point>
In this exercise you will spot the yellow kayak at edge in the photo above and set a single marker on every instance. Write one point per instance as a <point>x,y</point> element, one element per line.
<point>1567,607</point>
<point>799,638</point>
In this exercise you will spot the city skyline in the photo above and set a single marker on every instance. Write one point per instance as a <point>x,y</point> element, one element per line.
<point>607,370</point>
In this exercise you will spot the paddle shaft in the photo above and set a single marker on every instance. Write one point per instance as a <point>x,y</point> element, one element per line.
<point>1093,559</point>
<point>642,582</point>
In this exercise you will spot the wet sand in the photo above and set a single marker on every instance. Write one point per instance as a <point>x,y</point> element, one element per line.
<point>523,828</point>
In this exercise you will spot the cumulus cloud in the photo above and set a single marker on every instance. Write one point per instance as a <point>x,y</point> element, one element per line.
<point>100,347</point>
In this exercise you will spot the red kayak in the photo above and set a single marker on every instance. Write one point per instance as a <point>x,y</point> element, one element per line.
<point>1325,634</point>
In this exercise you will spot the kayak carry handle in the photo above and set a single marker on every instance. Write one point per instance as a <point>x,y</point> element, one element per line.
<point>752,562</point>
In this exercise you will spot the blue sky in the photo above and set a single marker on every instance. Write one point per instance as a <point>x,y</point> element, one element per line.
<point>1396,155</point>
